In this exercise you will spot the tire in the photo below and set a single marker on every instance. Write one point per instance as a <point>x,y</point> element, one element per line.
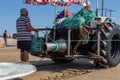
<point>110,45</point>
<point>113,48</point>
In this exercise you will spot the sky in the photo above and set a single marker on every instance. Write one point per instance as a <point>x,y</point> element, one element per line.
<point>43,15</point>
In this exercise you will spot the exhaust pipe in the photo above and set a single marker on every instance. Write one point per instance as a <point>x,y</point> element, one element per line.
<point>54,47</point>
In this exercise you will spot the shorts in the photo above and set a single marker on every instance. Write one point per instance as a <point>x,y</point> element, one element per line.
<point>24,45</point>
<point>5,40</point>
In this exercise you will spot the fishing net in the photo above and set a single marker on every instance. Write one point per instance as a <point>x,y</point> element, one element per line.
<point>35,45</point>
<point>78,19</point>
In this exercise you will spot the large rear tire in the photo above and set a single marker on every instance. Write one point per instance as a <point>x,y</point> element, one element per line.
<point>113,47</point>
<point>110,45</point>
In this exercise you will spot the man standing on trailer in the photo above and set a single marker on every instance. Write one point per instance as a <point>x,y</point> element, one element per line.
<point>24,29</point>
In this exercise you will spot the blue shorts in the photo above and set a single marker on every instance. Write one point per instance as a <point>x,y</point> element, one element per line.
<point>24,45</point>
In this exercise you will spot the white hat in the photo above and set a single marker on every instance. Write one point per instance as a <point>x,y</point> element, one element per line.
<point>87,3</point>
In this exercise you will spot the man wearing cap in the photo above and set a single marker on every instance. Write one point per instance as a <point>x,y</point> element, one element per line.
<point>87,5</point>
<point>24,28</point>
<point>87,12</point>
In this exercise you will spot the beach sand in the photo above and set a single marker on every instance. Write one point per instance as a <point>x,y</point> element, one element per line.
<point>11,54</point>
<point>10,41</point>
<point>48,70</point>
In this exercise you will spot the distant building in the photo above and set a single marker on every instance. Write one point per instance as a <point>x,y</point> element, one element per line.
<point>1,36</point>
<point>14,36</point>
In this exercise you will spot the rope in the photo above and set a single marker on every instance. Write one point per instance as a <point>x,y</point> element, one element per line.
<point>56,42</point>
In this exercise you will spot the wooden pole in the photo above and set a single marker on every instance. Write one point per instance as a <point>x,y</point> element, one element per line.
<point>97,8</point>
<point>65,11</point>
<point>102,7</point>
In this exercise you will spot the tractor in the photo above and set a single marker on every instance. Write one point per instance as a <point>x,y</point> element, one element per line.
<point>98,39</point>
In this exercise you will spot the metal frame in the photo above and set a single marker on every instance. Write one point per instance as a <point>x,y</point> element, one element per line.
<point>69,35</point>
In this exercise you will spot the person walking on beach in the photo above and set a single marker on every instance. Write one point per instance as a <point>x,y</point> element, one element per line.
<point>24,28</point>
<point>5,36</point>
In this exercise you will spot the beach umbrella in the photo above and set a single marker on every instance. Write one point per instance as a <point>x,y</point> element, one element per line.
<point>55,2</point>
